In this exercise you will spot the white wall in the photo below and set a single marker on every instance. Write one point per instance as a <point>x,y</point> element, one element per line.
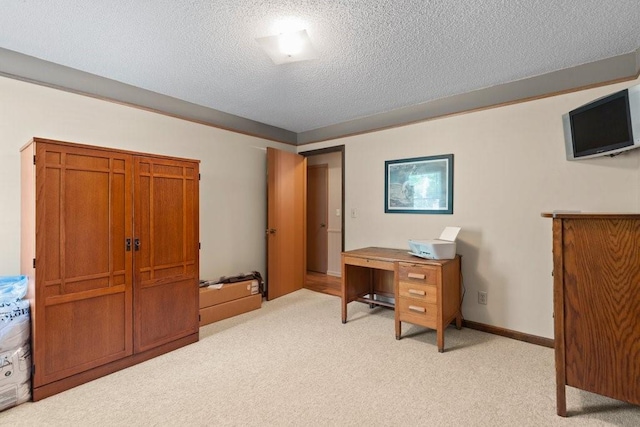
<point>233,167</point>
<point>509,167</point>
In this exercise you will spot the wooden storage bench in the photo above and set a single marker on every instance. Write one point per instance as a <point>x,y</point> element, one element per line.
<point>229,300</point>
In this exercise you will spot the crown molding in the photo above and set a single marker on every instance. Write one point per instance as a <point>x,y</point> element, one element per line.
<point>606,71</point>
<point>599,73</point>
<point>34,70</point>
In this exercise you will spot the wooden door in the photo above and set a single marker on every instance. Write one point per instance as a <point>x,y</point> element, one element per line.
<point>286,217</point>
<point>166,251</point>
<point>317,221</point>
<point>83,318</point>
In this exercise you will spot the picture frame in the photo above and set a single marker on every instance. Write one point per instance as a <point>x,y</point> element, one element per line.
<point>421,185</point>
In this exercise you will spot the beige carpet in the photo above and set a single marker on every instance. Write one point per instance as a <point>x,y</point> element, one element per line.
<point>294,363</point>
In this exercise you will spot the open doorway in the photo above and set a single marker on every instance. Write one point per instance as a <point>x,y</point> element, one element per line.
<point>325,219</point>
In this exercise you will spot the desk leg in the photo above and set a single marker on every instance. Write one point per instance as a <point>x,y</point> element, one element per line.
<point>440,339</point>
<point>344,311</point>
<point>459,321</point>
<point>343,288</point>
<point>398,329</point>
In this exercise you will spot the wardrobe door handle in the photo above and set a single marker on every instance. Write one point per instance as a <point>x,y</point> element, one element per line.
<point>136,244</point>
<point>127,244</point>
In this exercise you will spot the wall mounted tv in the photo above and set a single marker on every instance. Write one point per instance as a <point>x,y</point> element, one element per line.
<point>604,127</point>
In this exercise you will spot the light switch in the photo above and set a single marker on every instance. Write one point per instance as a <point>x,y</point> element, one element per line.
<point>337,212</point>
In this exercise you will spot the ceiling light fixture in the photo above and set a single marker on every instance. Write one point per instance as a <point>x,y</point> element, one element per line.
<point>288,47</point>
<point>290,43</point>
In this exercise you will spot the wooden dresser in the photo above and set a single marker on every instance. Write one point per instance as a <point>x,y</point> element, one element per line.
<point>421,291</point>
<point>596,293</point>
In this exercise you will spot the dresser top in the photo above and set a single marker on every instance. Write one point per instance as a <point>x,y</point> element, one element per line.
<point>591,215</point>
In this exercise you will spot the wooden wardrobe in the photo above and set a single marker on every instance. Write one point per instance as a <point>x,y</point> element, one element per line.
<point>110,245</point>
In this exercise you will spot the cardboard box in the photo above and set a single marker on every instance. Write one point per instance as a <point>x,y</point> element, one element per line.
<point>229,309</point>
<point>227,292</point>
<point>219,302</point>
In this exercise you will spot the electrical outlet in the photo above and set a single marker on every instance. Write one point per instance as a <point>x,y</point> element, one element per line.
<point>482,297</point>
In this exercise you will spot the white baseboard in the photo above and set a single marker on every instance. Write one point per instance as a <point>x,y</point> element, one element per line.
<point>334,273</point>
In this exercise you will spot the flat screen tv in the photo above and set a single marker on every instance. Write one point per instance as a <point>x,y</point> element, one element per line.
<point>604,127</point>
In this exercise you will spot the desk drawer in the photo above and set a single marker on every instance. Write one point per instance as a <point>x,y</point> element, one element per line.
<point>370,263</point>
<point>420,274</point>
<point>425,293</point>
<point>417,312</point>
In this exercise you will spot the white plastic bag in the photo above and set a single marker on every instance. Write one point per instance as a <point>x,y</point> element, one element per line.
<point>15,377</point>
<point>15,353</point>
<point>12,288</point>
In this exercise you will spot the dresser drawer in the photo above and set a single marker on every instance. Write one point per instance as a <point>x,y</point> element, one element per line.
<point>420,313</point>
<point>418,291</point>
<point>420,274</point>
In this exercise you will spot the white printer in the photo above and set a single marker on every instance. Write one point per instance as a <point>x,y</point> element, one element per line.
<point>442,248</point>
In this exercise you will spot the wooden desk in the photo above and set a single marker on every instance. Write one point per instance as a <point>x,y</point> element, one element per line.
<point>423,292</point>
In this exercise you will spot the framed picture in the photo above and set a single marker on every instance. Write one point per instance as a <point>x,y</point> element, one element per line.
<point>420,185</point>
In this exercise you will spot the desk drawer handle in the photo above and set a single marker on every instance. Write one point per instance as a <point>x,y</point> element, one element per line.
<point>416,276</point>
<point>418,309</point>
<point>417,292</point>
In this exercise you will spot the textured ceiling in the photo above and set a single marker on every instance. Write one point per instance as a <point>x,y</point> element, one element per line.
<point>374,56</point>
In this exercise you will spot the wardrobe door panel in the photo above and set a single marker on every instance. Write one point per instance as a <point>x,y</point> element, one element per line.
<point>84,280</point>
<point>166,312</point>
<point>74,345</point>
<point>166,262</point>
